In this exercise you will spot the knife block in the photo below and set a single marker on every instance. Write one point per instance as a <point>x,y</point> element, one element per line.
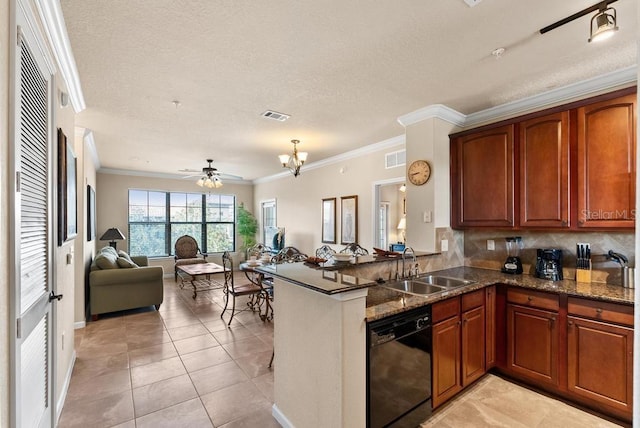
<point>583,275</point>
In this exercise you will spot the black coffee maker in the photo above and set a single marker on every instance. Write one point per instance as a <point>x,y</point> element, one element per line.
<point>549,264</point>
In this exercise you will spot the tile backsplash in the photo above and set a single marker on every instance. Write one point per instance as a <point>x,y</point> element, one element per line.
<point>477,255</point>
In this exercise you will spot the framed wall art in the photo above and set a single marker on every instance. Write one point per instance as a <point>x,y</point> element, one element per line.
<point>349,219</point>
<point>329,221</point>
<point>67,197</point>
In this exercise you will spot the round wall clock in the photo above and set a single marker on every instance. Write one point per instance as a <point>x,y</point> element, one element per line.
<point>419,172</point>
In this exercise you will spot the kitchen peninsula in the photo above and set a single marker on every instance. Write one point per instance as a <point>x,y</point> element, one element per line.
<point>321,346</point>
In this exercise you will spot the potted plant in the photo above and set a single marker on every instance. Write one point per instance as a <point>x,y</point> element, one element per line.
<point>247,227</point>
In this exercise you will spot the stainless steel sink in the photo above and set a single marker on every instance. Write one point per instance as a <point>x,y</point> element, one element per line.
<point>444,281</point>
<point>415,287</point>
<point>429,284</point>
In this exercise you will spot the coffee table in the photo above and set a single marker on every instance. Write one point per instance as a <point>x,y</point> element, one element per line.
<point>200,276</point>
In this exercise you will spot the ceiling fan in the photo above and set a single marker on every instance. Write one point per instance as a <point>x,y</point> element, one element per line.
<point>210,177</point>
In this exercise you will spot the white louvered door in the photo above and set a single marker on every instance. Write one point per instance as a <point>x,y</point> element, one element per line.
<point>32,234</point>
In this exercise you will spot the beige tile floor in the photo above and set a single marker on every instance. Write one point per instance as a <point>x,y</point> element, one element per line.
<point>182,367</point>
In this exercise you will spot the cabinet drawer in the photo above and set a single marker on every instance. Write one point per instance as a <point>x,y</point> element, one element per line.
<point>532,298</point>
<point>445,309</point>
<point>472,300</point>
<point>604,311</point>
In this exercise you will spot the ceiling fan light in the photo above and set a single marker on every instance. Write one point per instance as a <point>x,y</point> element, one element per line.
<point>605,25</point>
<point>200,182</point>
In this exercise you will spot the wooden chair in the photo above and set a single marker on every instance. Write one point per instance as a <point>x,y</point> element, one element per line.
<point>354,249</point>
<point>187,252</point>
<point>231,290</point>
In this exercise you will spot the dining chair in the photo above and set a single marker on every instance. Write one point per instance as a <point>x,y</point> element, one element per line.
<point>354,249</point>
<point>187,252</point>
<point>258,250</point>
<point>231,290</point>
<point>289,255</point>
<point>325,252</point>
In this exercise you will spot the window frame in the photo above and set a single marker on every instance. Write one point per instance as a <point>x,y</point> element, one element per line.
<point>168,223</point>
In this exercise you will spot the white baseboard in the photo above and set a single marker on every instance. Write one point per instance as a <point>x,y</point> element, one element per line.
<point>65,388</point>
<point>280,417</point>
<point>79,324</point>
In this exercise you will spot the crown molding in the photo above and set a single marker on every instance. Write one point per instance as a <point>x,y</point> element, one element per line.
<point>614,80</point>
<point>130,172</point>
<point>371,148</point>
<point>575,91</point>
<point>439,111</point>
<point>56,32</point>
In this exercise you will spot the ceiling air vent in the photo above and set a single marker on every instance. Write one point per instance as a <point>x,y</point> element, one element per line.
<point>275,115</point>
<point>393,159</point>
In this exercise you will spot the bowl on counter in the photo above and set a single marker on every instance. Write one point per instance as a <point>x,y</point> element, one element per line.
<point>342,257</point>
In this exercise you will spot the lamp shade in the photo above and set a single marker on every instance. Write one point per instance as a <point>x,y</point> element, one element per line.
<point>112,234</point>
<point>402,224</point>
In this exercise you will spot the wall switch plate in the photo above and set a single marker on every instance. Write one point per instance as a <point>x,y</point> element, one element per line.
<point>426,216</point>
<point>491,245</point>
<point>69,258</point>
<point>444,245</point>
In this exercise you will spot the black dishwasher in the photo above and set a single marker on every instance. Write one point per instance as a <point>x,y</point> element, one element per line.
<point>399,370</point>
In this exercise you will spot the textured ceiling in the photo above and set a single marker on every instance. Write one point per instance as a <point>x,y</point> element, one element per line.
<point>344,70</point>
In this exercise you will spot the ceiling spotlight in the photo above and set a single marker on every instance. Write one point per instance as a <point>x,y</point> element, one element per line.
<point>605,24</point>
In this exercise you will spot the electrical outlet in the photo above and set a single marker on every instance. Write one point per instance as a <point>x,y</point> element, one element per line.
<point>444,245</point>
<point>426,216</point>
<point>62,341</point>
<point>491,245</point>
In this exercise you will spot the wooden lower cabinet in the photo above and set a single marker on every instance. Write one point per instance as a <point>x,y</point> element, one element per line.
<point>532,349</point>
<point>458,344</point>
<point>447,377</point>
<point>578,348</point>
<point>473,345</point>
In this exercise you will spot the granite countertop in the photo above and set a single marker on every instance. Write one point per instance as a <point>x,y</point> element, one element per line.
<point>382,302</point>
<point>320,280</point>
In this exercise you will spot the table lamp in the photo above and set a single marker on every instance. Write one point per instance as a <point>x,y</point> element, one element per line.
<point>112,235</point>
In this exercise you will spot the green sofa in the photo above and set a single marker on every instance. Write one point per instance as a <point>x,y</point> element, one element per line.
<point>118,282</point>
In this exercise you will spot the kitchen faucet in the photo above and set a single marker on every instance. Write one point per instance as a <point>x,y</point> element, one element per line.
<point>413,261</point>
<point>626,272</point>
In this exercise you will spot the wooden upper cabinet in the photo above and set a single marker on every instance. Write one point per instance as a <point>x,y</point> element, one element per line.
<point>606,163</point>
<point>482,178</point>
<point>544,171</point>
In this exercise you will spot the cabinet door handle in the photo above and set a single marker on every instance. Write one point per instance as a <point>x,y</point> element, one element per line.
<point>570,323</point>
<point>598,310</point>
<point>529,298</point>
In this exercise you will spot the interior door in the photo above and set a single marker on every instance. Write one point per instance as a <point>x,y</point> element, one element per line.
<point>31,233</point>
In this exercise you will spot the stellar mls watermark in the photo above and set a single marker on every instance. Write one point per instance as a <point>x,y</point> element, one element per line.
<point>609,214</point>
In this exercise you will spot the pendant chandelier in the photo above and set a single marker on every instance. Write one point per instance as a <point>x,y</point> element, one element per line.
<point>295,161</point>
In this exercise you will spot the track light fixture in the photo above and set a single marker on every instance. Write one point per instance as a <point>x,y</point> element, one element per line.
<point>606,24</point>
<point>605,21</point>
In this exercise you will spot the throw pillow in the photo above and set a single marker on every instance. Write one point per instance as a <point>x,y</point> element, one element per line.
<point>104,261</point>
<point>125,255</point>
<point>126,263</point>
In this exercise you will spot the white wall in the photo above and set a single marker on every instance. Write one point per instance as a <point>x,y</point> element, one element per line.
<point>112,199</point>
<point>299,200</point>
<point>428,140</point>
